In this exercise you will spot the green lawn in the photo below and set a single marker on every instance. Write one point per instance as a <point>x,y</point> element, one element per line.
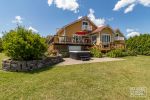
<point>98,81</point>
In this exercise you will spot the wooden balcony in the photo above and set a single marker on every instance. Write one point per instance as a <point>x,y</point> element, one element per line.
<point>72,40</point>
<point>118,38</point>
<point>87,27</point>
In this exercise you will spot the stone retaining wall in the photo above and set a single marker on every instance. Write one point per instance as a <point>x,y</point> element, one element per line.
<point>11,65</point>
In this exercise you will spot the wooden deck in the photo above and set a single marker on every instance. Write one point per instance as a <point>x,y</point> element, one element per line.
<point>86,42</point>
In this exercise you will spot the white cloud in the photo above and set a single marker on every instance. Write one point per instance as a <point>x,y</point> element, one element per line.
<point>132,34</point>
<point>71,5</point>
<point>128,30</point>
<point>97,21</point>
<point>129,9</point>
<point>33,29</point>
<point>50,2</point>
<point>145,2</point>
<point>18,19</point>
<point>79,17</point>
<point>130,4</point>
<point>123,3</point>
<point>110,19</point>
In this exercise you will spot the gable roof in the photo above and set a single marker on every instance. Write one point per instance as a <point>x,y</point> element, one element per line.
<point>99,29</point>
<point>85,17</point>
<point>118,31</point>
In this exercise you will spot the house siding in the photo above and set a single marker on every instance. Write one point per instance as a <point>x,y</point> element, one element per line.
<point>76,27</point>
<point>104,31</point>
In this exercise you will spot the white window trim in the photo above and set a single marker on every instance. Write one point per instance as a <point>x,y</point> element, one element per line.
<point>105,34</point>
<point>83,26</point>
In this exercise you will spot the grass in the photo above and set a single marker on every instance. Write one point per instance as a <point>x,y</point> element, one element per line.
<point>97,81</point>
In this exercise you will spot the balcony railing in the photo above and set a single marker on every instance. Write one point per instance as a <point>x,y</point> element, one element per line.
<point>71,40</point>
<point>119,38</point>
<point>81,40</point>
<point>87,27</point>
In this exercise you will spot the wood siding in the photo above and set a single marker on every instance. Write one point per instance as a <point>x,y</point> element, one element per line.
<point>72,29</point>
<point>104,31</point>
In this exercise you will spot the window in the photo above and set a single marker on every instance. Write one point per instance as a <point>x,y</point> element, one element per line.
<point>106,38</point>
<point>117,35</point>
<point>85,23</point>
<point>94,38</point>
<point>77,39</point>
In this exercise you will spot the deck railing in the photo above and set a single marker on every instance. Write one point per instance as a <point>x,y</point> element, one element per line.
<point>119,38</point>
<point>87,27</point>
<point>71,40</point>
<point>84,41</point>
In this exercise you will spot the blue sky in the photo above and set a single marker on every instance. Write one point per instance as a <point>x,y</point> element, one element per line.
<point>44,16</point>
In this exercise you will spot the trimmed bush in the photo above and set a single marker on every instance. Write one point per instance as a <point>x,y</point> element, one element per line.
<point>139,44</point>
<point>23,44</point>
<point>121,53</point>
<point>116,53</point>
<point>131,53</point>
<point>96,52</point>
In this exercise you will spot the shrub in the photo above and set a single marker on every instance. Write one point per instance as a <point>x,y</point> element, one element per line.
<point>121,53</point>
<point>147,53</point>
<point>116,53</point>
<point>1,48</point>
<point>131,53</point>
<point>23,44</point>
<point>51,52</point>
<point>65,54</point>
<point>96,52</point>
<point>140,44</point>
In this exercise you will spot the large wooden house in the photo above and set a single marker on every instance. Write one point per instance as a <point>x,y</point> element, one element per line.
<point>83,33</point>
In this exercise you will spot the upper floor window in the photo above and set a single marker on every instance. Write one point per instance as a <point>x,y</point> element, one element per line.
<point>117,35</point>
<point>85,23</point>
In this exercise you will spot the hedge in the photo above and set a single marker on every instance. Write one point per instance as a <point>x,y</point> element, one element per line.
<point>139,44</point>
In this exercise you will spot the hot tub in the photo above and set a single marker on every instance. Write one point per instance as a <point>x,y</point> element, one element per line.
<point>79,55</point>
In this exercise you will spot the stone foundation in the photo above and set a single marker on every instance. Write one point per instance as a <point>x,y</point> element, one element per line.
<point>11,65</point>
